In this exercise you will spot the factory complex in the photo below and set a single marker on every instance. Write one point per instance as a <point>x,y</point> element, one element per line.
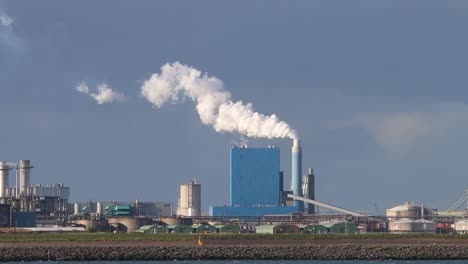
<point>259,203</point>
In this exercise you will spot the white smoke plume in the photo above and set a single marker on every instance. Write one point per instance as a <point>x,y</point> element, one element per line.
<point>11,164</point>
<point>5,20</point>
<point>214,104</point>
<point>103,95</point>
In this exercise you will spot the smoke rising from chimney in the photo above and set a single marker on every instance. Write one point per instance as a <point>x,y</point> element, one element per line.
<point>213,103</point>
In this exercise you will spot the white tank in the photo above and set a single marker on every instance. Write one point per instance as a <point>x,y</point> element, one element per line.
<point>4,172</point>
<point>190,199</point>
<point>99,208</point>
<point>77,208</point>
<point>461,227</point>
<point>410,226</point>
<point>25,176</point>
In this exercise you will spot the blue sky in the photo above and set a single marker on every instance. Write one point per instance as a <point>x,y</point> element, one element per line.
<point>376,90</point>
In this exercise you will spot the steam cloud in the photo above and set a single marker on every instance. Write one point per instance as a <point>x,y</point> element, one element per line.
<point>104,93</point>
<point>11,164</point>
<point>5,20</point>
<point>214,104</point>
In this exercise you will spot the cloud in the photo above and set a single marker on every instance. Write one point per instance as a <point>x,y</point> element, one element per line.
<point>82,88</point>
<point>104,94</point>
<point>405,130</point>
<point>6,21</point>
<point>8,37</point>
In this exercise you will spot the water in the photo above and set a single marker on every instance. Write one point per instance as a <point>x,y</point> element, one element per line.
<point>270,262</point>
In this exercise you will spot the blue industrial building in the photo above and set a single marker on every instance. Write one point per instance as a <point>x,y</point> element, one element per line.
<point>255,184</point>
<point>255,177</point>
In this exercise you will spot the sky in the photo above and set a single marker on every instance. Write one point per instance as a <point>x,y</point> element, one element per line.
<point>376,91</point>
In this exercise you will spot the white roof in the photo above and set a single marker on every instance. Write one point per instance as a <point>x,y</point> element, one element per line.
<point>404,207</point>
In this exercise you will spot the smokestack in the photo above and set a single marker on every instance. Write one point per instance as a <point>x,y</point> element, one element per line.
<point>308,189</point>
<point>4,172</point>
<point>25,176</point>
<point>296,179</point>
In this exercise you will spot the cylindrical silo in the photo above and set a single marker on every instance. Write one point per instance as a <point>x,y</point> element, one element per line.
<point>99,208</point>
<point>296,179</point>
<point>77,208</point>
<point>25,176</point>
<point>4,172</point>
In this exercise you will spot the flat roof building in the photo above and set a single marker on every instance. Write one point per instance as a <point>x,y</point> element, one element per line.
<point>256,184</point>
<point>255,177</point>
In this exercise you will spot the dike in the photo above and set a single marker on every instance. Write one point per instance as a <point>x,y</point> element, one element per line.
<point>211,252</point>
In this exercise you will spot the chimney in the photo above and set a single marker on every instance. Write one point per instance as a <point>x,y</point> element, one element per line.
<point>296,174</point>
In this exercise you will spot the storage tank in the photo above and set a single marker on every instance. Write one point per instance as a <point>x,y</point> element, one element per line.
<point>461,227</point>
<point>77,208</point>
<point>406,210</point>
<point>25,176</point>
<point>411,226</point>
<point>129,224</point>
<point>4,184</point>
<point>92,225</point>
<point>177,221</point>
<point>99,208</point>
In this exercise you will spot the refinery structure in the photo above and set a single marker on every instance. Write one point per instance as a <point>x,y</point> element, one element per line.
<point>259,202</point>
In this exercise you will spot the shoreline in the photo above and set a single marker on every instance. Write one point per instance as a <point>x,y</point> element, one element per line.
<point>234,250</point>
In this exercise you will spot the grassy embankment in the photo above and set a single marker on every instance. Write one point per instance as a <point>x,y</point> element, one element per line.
<point>88,237</point>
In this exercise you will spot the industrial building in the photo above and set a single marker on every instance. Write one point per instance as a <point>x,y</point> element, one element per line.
<point>255,177</point>
<point>257,183</point>
<point>47,204</point>
<point>190,199</point>
<point>114,208</point>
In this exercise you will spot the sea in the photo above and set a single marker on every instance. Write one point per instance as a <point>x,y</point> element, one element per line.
<point>270,262</point>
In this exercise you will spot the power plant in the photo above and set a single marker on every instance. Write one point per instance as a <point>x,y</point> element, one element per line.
<point>41,204</point>
<point>257,183</point>
<point>258,199</point>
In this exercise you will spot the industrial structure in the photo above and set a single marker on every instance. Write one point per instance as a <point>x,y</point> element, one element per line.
<point>256,184</point>
<point>308,190</point>
<point>296,174</point>
<point>190,199</point>
<point>47,204</point>
<point>258,203</point>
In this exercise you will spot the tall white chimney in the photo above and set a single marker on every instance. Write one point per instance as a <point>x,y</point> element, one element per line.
<point>4,173</point>
<point>25,176</point>
<point>296,173</point>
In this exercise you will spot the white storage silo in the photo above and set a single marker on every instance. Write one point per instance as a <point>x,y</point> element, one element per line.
<point>77,208</point>
<point>4,183</point>
<point>99,208</point>
<point>190,199</point>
